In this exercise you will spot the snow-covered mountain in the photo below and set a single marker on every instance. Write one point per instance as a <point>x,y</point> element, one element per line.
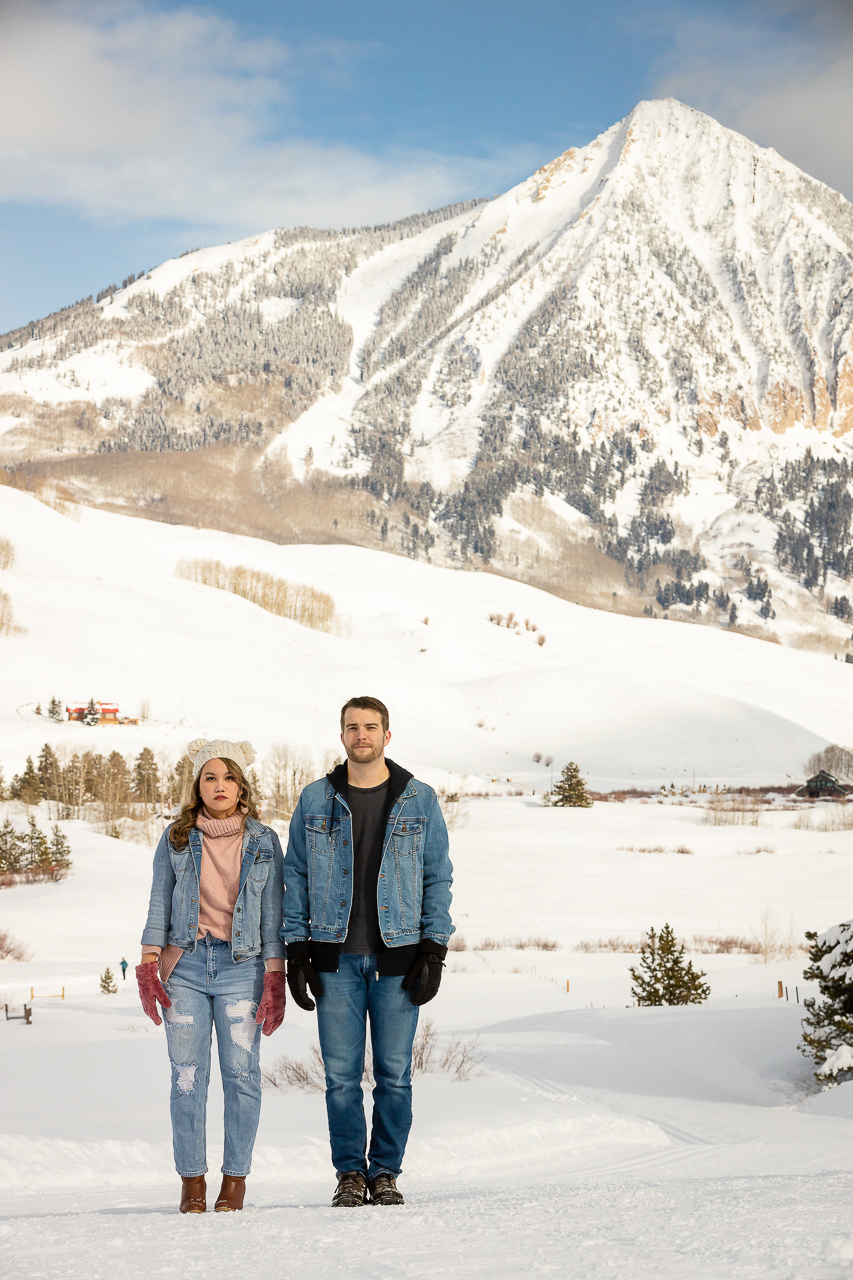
<point>628,380</point>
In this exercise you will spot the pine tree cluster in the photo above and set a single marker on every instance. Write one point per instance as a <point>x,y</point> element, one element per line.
<point>30,857</point>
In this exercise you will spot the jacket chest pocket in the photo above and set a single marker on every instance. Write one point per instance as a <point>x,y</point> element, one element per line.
<point>259,871</point>
<point>408,837</point>
<point>323,836</point>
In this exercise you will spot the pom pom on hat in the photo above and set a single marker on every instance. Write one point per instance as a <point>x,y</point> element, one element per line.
<point>200,750</point>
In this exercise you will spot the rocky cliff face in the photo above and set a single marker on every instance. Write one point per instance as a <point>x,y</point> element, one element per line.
<point>631,371</point>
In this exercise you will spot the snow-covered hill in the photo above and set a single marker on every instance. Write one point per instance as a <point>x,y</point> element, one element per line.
<point>644,347</point>
<point>633,700</point>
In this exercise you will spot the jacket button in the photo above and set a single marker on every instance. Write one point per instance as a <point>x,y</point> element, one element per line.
<point>346,873</point>
<point>346,842</point>
<point>343,903</point>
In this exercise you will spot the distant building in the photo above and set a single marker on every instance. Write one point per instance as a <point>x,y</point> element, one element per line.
<point>823,786</point>
<point>108,713</point>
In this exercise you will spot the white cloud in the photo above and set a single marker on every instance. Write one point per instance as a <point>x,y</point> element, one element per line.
<point>121,110</point>
<point>787,84</point>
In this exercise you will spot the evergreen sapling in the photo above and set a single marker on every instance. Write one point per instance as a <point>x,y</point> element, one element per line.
<point>570,790</point>
<point>664,977</point>
<point>108,983</point>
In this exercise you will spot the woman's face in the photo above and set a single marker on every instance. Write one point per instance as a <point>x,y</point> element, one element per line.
<point>219,789</point>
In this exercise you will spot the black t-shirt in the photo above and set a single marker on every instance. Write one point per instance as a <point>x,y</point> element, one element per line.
<point>368,806</point>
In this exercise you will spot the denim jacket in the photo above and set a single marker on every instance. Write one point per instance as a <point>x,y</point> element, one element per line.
<point>173,906</point>
<point>413,891</point>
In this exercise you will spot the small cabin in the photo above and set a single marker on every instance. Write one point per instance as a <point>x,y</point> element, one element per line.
<point>823,786</point>
<point>108,713</point>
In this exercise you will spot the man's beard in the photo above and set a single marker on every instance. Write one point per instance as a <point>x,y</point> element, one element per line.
<point>363,755</point>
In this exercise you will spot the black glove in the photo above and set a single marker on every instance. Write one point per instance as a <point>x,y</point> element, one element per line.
<point>302,976</point>
<point>425,972</point>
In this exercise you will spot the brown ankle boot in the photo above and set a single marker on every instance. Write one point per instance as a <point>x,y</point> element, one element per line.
<point>230,1194</point>
<point>194,1194</point>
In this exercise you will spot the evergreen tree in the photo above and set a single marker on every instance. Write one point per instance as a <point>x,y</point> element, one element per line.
<point>35,850</point>
<point>26,786</point>
<point>570,790</point>
<point>49,773</point>
<point>38,709</point>
<point>146,778</point>
<point>3,795</point>
<point>108,984</point>
<point>91,716</point>
<point>828,1024</point>
<point>60,851</point>
<point>663,976</point>
<point>54,710</point>
<point>11,849</point>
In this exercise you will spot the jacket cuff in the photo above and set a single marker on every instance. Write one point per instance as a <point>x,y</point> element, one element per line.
<point>154,937</point>
<point>436,948</point>
<point>272,950</point>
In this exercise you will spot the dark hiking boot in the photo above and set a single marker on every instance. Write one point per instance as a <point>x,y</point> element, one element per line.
<point>231,1194</point>
<point>351,1190</point>
<point>383,1190</point>
<point>194,1194</point>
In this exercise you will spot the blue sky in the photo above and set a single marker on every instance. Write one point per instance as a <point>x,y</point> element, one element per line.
<point>132,130</point>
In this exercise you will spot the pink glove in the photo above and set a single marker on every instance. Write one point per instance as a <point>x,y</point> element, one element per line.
<point>151,990</point>
<point>271,1009</point>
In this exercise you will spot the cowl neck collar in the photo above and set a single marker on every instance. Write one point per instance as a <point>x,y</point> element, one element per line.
<point>220,826</point>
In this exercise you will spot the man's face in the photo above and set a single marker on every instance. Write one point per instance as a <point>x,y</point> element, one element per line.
<point>363,737</point>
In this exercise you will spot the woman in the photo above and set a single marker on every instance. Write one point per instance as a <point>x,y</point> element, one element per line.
<point>213,927</point>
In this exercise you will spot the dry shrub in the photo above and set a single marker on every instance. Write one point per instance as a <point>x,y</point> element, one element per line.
<point>774,941</point>
<point>733,810</point>
<point>836,817</point>
<point>457,943</point>
<point>11,948</point>
<point>607,944</point>
<point>302,604</point>
<point>459,1059</point>
<point>453,808</point>
<point>761,848</point>
<point>705,944</point>
<point>7,554</point>
<point>535,943</point>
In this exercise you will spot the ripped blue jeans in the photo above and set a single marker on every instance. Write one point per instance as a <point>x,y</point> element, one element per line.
<point>207,987</point>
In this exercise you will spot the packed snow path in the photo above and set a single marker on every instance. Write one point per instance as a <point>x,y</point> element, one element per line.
<point>787,1228</point>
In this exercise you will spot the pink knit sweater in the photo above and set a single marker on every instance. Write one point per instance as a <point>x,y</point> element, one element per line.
<point>221,857</point>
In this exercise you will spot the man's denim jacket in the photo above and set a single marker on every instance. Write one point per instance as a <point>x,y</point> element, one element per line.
<point>413,891</point>
<point>173,907</point>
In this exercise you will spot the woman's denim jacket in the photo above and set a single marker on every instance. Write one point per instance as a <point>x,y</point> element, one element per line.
<point>173,907</point>
<point>413,891</point>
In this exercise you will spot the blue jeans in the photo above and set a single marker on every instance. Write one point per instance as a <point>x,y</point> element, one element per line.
<point>208,987</point>
<point>350,997</point>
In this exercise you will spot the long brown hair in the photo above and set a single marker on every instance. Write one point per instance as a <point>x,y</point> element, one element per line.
<point>179,832</point>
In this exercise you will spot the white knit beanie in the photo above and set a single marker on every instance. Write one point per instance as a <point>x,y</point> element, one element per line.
<point>200,751</point>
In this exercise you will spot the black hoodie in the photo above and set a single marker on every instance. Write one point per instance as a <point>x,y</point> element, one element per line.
<point>390,961</point>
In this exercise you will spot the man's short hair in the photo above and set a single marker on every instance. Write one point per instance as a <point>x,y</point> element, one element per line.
<point>366,704</point>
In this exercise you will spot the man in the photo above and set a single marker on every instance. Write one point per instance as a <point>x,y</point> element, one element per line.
<point>366,923</point>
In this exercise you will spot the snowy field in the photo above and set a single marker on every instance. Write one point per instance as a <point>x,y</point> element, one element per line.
<point>600,1140</point>
<point>634,700</point>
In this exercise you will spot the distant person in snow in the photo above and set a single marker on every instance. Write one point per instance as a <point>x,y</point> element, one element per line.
<point>212,955</point>
<point>123,967</point>
<point>367,923</point>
